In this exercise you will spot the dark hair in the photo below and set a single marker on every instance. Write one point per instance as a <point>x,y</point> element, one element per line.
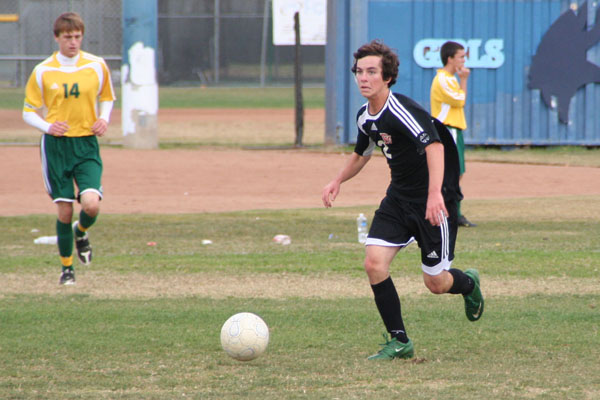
<point>68,22</point>
<point>389,59</point>
<point>449,49</point>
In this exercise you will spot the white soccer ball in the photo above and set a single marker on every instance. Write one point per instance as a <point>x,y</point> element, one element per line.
<point>244,336</point>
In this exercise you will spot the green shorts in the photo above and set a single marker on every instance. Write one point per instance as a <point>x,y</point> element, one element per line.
<point>457,134</point>
<point>70,159</point>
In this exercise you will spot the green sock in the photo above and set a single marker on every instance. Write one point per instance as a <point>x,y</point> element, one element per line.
<point>64,234</point>
<point>85,221</point>
<point>458,209</point>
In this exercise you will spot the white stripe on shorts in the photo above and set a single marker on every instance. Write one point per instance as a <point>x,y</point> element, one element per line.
<point>444,263</point>
<point>99,193</point>
<point>45,165</point>
<point>381,242</point>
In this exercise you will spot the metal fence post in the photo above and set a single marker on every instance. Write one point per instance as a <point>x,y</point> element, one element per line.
<point>139,87</point>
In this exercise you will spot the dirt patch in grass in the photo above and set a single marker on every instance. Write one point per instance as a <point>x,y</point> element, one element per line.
<point>215,285</point>
<point>209,180</point>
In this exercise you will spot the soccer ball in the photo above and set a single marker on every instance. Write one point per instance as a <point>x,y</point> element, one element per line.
<point>244,336</point>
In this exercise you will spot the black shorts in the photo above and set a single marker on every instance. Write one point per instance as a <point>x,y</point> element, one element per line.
<point>397,223</point>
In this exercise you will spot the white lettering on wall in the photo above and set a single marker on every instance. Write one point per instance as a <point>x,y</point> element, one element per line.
<point>427,52</point>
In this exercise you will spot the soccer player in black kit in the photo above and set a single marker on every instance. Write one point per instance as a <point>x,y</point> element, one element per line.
<point>421,201</point>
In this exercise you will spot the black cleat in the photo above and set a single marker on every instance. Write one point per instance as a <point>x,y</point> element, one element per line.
<point>463,221</point>
<point>84,249</point>
<point>67,278</point>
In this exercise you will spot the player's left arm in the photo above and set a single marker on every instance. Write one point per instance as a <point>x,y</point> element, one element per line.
<point>436,207</point>
<point>463,74</point>
<point>106,98</point>
<point>101,125</point>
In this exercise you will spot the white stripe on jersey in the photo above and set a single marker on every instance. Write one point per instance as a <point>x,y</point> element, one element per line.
<point>70,69</point>
<point>363,118</point>
<point>98,62</point>
<point>444,112</point>
<point>359,122</point>
<point>404,116</point>
<point>445,82</point>
<point>369,150</point>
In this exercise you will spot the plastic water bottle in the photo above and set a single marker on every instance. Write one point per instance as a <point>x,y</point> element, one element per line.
<point>361,225</point>
<point>45,240</point>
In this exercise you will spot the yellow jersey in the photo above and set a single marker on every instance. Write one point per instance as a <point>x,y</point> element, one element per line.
<point>69,90</point>
<point>448,100</point>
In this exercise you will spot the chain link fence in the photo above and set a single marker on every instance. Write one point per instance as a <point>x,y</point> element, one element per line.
<point>27,38</point>
<point>201,42</point>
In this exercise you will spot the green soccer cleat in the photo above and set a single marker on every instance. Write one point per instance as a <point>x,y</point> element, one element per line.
<point>394,349</point>
<point>474,300</point>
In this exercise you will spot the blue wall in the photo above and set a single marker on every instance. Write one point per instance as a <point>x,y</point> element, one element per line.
<point>501,109</point>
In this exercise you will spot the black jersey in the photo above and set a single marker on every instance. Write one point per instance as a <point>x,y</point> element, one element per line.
<point>402,129</point>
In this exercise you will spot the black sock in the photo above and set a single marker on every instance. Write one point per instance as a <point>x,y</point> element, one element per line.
<point>388,304</point>
<point>463,284</point>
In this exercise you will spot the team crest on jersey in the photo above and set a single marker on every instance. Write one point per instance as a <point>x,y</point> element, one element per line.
<point>387,138</point>
<point>424,138</point>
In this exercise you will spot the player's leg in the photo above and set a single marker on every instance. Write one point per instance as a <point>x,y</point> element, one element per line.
<point>455,281</point>
<point>64,236</point>
<point>386,238</point>
<point>87,217</point>
<point>437,254</point>
<point>57,176</point>
<point>377,264</point>
<point>88,175</point>
<point>377,267</point>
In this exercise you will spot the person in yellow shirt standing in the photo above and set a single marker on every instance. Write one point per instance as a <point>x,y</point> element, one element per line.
<point>69,97</point>
<point>448,97</point>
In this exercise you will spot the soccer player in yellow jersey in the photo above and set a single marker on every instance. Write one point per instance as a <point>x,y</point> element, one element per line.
<point>69,97</point>
<point>448,97</point>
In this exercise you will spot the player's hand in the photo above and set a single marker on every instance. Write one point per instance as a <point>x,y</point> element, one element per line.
<point>330,192</point>
<point>58,128</point>
<point>463,72</point>
<point>436,209</point>
<point>99,128</point>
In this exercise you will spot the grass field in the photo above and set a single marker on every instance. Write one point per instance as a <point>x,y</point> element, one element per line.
<point>211,97</point>
<point>144,321</point>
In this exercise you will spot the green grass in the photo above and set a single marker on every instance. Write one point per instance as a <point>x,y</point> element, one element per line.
<point>539,261</point>
<point>76,347</point>
<point>238,97</point>
<point>207,97</point>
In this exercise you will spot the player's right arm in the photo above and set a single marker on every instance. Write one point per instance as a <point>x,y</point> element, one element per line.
<point>352,167</point>
<point>358,159</point>
<point>34,102</point>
